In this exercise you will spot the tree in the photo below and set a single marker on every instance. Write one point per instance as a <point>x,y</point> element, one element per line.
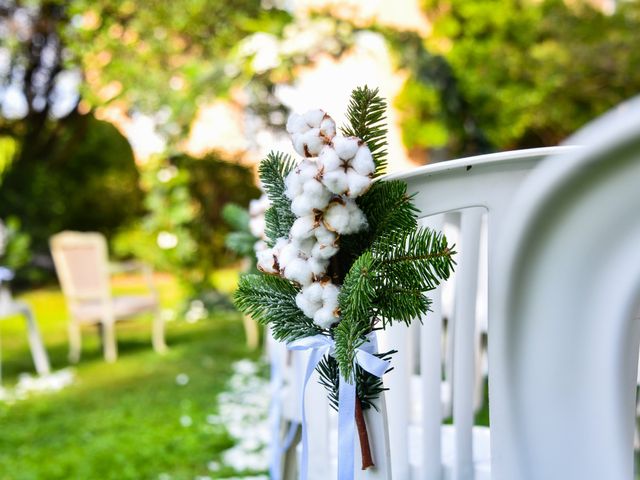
<point>527,73</point>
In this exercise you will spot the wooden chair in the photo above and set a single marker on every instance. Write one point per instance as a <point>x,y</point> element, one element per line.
<point>81,262</point>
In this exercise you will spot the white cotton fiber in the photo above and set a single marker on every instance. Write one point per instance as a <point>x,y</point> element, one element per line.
<point>266,261</point>
<point>328,127</point>
<point>318,266</point>
<point>324,235</point>
<point>336,217</point>
<point>346,147</point>
<point>304,246</point>
<point>325,317</point>
<point>257,226</point>
<point>298,270</point>
<point>303,227</point>
<point>293,185</point>
<point>328,159</point>
<point>306,304</point>
<point>324,250</point>
<point>363,161</point>
<point>296,124</point>
<point>357,184</point>
<point>314,117</point>
<point>336,181</point>
<point>314,196</point>
<point>314,292</point>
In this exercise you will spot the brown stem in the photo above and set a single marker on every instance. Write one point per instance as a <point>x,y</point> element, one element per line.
<point>365,448</point>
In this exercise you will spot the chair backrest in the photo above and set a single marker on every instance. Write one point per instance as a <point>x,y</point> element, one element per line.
<point>474,187</point>
<point>565,332</point>
<point>81,262</point>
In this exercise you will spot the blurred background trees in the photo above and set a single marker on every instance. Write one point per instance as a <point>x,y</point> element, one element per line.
<point>101,100</point>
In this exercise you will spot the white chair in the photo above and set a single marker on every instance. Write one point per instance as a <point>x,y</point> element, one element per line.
<point>565,332</point>
<point>81,262</point>
<point>9,307</point>
<point>474,187</point>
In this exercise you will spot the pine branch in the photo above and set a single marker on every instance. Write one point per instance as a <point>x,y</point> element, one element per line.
<point>366,115</point>
<point>241,243</point>
<point>408,264</point>
<point>236,217</point>
<point>278,217</point>
<point>368,387</point>
<point>356,310</point>
<point>270,300</point>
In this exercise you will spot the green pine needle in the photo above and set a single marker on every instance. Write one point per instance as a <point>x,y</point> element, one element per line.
<point>366,116</point>
<point>236,217</point>
<point>270,300</point>
<point>278,217</point>
<point>356,311</point>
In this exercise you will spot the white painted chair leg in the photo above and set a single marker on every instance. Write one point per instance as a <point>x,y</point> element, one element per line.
<point>109,341</point>
<point>157,334</point>
<point>75,341</point>
<point>38,352</point>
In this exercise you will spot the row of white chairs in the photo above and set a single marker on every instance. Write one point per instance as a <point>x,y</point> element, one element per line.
<point>549,246</point>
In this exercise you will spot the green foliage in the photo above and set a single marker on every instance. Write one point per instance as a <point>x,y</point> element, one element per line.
<point>236,217</point>
<point>184,202</point>
<point>120,421</point>
<point>278,217</point>
<point>366,116</point>
<point>17,245</point>
<point>369,386</point>
<point>88,181</point>
<point>505,74</point>
<point>356,301</point>
<point>270,300</point>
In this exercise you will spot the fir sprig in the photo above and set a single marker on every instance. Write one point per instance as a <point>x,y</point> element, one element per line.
<point>366,116</point>
<point>278,217</point>
<point>356,301</point>
<point>270,300</point>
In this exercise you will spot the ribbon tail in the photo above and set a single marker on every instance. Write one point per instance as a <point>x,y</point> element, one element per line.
<point>346,429</point>
<point>275,413</point>
<point>314,358</point>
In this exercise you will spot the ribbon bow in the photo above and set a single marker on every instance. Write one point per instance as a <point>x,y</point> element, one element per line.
<point>321,345</point>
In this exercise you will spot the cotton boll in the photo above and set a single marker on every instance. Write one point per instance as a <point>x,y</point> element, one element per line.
<point>346,147</point>
<point>357,218</point>
<point>314,293</point>
<point>257,226</point>
<point>298,270</point>
<point>296,124</point>
<point>307,170</point>
<point>325,317</point>
<point>324,235</point>
<point>260,245</point>
<point>303,227</point>
<point>328,159</point>
<point>314,196</point>
<point>336,181</point>
<point>328,127</point>
<point>305,303</point>
<point>336,217</point>
<point>304,246</point>
<point>330,294</point>
<point>287,254</point>
<point>358,184</point>
<point>314,118</point>
<point>258,206</point>
<point>266,261</point>
<point>312,143</point>
<point>324,250</point>
<point>293,185</point>
<point>318,266</point>
<point>363,161</point>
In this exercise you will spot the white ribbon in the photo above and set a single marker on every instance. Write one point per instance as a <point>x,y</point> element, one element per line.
<point>275,410</point>
<point>321,345</point>
<point>347,405</point>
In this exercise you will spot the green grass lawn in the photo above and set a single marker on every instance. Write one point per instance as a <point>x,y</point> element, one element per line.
<point>119,421</point>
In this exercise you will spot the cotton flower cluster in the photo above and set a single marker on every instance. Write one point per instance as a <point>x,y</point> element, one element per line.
<point>322,189</point>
